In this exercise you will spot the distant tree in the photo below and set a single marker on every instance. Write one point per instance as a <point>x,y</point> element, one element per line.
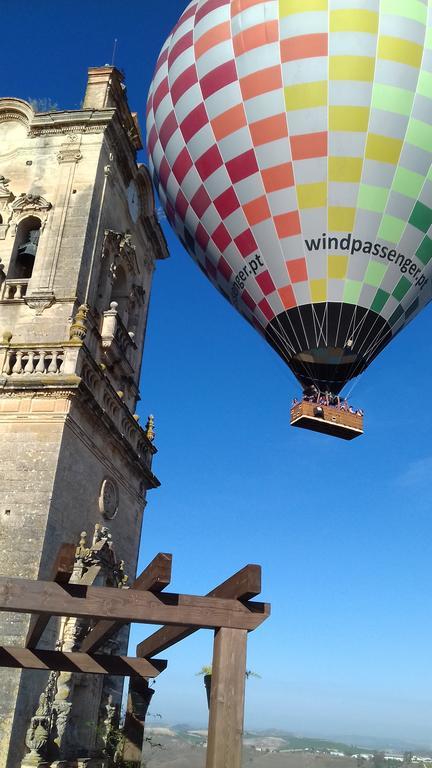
<point>408,757</point>
<point>43,104</point>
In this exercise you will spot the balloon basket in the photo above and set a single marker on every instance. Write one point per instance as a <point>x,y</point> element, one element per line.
<point>327,420</point>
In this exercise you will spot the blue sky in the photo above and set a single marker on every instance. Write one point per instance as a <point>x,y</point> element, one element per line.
<point>342,530</point>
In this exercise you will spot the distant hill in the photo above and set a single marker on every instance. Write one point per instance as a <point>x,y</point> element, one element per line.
<point>183,746</point>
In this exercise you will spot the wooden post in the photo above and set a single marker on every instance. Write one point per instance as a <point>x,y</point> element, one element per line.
<point>225,733</point>
<point>139,698</point>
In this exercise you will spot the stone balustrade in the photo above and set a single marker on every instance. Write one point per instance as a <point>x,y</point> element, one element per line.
<point>33,361</point>
<point>14,289</point>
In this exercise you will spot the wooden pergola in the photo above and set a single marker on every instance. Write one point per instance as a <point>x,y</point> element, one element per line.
<point>227,610</point>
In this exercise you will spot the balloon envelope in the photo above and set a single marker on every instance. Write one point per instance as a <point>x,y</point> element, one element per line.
<point>291,145</point>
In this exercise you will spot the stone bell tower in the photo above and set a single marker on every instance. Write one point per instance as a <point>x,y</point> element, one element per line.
<point>78,243</point>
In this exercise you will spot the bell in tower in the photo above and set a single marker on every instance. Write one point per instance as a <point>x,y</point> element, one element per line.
<point>26,254</point>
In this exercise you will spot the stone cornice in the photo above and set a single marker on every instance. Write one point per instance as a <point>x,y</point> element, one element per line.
<point>71,121</point>
<point>155,235</point>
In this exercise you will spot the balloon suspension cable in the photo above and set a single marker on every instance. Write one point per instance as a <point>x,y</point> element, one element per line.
<point>356,381</point>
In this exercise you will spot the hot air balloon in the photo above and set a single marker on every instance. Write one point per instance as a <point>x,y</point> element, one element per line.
<point>290,142</point>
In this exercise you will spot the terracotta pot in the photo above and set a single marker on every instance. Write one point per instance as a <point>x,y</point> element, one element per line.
<point>207,683</point>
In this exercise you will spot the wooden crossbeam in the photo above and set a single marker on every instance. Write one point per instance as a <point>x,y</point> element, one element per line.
<point>61,572</point>
<point>125,605</point>
<point>93,664</point>
<point>243,585</point>
<point>154,578</point>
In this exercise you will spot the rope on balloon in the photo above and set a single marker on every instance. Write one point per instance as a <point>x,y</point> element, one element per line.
<point>283,334</point>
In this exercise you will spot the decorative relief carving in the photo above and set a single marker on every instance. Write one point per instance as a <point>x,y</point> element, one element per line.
<point>37,739</point>
<point>4,191</point>
<point>52,735</point>
<point>6,198</point>
<point>109,498</point>
<point>65,130</point>
<point>47,394</point>
<point>68,155</point>
<point>18,116</point>
<point>69,152</point>
<point>26,204</point>
<point>40,300</point>
<point>13,209</point>
<point>118,246</point>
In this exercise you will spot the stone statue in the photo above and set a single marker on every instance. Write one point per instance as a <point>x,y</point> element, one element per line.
<point>38,735</point>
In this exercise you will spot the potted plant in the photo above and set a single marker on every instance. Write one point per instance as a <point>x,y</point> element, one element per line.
<point>206,672</point>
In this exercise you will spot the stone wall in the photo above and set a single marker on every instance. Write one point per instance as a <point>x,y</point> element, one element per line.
<point>29,450</point>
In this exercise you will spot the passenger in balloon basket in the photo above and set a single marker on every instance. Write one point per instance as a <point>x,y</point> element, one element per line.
<point>312,394</point>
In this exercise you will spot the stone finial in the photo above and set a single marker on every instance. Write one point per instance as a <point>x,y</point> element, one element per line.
<point>149,428</point>
<point>82,546</point>
<point>78,329</point>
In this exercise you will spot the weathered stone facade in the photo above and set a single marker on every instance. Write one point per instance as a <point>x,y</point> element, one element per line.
<point>78,243</point>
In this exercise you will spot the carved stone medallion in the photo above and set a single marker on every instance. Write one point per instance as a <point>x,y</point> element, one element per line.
<point>109,498</point>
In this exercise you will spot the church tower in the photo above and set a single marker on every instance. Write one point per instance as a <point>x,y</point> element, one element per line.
<point>78,243</point>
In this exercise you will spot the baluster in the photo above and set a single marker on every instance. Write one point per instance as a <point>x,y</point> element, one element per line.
<point>9,362</point>
<point>19,293</point>
<point>40,368</point>
<point>8,291</point>
<point>18,362</point>
<point>52,368</point>
<point>61,362</point>
<point>29,367</point>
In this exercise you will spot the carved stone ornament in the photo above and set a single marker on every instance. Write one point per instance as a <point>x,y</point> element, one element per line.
<point>78,329</point>
<point>69,156</point>
<point>27,204</point>
<point>6,198</point>
<point>118,246</point>
<point>38,735</point>
<point>4,191</point>
<point>150,428</point>
<point>69,152</point>
<point>109,498</point>
<point>39,300</point>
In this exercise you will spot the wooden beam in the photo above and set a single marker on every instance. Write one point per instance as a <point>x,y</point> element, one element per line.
<point>125,605</point>
<point>154,578</point>
<point>243,585</point>
<point>225,733</point>
<point>93,664</point>
<point>61,572</point>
